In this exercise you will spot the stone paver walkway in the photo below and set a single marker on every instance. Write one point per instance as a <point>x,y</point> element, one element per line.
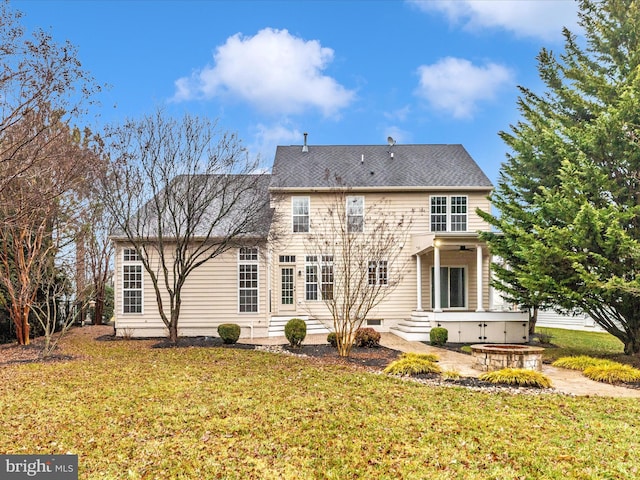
<point>563,380</point>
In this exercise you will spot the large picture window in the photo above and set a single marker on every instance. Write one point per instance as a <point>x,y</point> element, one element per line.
<point>448,214</point>
<point>453,287</point>
<point>248,280</point>
<point>355,214</point>
<point>300,215</point>
<point>131,282</point>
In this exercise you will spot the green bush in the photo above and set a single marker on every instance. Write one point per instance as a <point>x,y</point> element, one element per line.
<point>580,362</point>
<point>332,338</point>
<point>295,330</point>
<point>517,376</point>
<point>412,364</point>
<point>229,332</point>
<point>367,337</point>
<point>438,336</point>
<point>613,372</point>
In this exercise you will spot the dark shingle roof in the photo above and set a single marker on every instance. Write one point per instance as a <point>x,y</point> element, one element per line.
<point>363,166</point>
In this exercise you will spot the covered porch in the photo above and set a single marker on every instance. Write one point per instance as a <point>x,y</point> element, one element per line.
<point>453,291</point>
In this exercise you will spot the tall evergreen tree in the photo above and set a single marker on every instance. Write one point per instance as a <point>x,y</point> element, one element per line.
<point>568,193</point>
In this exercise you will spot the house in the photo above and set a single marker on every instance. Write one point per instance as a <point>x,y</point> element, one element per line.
<point>444,279</point>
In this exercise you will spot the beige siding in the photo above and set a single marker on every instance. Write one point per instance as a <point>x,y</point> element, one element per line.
<point>209,298</point>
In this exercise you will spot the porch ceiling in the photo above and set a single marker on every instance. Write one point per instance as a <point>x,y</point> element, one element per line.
<point>424,243</point>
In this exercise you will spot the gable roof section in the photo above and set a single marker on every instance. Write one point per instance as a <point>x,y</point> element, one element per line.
<point>229,198</point>
<point>372,166</point>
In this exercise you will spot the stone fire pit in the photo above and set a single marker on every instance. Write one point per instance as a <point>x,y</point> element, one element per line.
<point>490,357</point>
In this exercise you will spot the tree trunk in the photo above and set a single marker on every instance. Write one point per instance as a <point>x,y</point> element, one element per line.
<point>632,344</point>
<point>20,317</point>
<point>98,310</point>
<point>533,319</point>
<point>173,332</point>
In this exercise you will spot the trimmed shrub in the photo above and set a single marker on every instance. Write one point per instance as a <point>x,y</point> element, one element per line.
<point>581,362</point>
<point>613,372</point>
<point>332,338</point>
<point>438,336</point>
<point>366,337</point>
<point>229,332</point>
<point>295,330</point>
<point>412,365</point>
<point>521,377</point>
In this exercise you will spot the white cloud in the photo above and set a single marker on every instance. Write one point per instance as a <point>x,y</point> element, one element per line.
<point>268,137</point>
<point>456,85</point>
<point>400,114</point>
<point>525,18</point>
<point>274,71</point>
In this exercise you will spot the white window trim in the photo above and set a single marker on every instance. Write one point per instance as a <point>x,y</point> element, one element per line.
<point>363,212</point>
<point>377,277</point>
<point>319,283</point>
<point>293,197</point>
<point>449,214</point>
<point>122,289</point>
<point>466,287</point>
<point>249,262</point>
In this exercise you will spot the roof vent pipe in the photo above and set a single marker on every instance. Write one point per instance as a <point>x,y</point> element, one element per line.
<point>305,148</point>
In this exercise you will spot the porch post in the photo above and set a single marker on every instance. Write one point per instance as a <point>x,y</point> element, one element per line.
<point>436,278</point>
<point>418,283</point>
<point>479,277</point>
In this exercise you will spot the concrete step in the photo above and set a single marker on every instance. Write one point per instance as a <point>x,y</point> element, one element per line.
<point>277,324</point>
<point>409,335</point>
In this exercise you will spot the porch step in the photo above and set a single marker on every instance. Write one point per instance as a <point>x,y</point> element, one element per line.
<point>277,324</point>
<point>412,330</point>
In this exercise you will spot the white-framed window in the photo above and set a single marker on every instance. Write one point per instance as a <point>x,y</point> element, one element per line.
<point>378,273</point>
<point>459,214</point>
<point>318,279</point>
<point>132,282</point>
<point>453,287</point>
<point>248,280</point>
<point>448,214</point>
<point>355,214</point>
<point>300,214</point>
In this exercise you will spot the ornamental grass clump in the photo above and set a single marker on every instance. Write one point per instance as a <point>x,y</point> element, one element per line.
<point>413,364</point>
<point>295,330</point>
<point>229,332</point>
<point>521,377</point>
<point>613,372</point>
<point>580,362</point>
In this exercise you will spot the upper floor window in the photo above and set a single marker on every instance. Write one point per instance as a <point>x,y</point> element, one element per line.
<point>355,214</point>
<point>130,255</point>
<point>449,214</point>
<point>300,214</point>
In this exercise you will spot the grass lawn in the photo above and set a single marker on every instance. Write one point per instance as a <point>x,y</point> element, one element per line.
<point>594,344</point>
<point>130,411</point>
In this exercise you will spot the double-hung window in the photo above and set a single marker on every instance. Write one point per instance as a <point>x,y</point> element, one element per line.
<point>448,214</point>
<point>300,214</point>
<point>131,281</point>
<point>318,277</point>
<point>355,214</point>
<point>248,280</point>
<point>378,273</point>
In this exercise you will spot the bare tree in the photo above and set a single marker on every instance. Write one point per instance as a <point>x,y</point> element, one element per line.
<point>360,258</point>
<point>95,249</point>
<point>42,84</point>
<point>181,194</point>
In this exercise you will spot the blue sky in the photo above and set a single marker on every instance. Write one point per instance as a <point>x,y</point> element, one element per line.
<point>346,72</point>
